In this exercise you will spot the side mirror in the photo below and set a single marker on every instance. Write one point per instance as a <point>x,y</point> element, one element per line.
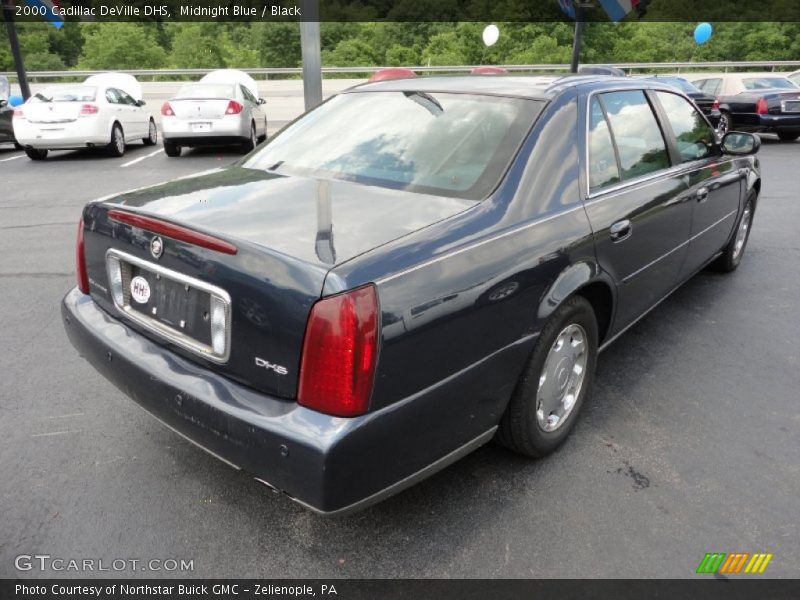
<point>262,101</point>
<point>740,144</point>
<point>140,103</point>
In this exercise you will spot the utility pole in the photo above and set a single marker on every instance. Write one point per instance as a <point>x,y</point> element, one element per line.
<point>11,28</point>
<point>576,42</point>
<point>311,51</point>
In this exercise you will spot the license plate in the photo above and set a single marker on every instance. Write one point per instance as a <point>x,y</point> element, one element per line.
<point>200,127</point>
<point>179,306</point>
<point>791,106</point>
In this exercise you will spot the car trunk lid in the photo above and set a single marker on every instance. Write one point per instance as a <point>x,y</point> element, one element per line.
<point>52,112</point>
<point>286,233</point>
<point>199,108</point>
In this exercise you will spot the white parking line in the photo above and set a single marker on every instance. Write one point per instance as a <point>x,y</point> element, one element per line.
<point>12,158</point>
<point>141,158</point>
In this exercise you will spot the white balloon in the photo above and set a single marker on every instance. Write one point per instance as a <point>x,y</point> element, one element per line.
<point>490,35</point>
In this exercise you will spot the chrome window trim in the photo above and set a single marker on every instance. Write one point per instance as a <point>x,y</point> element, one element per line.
<point>171,335</point>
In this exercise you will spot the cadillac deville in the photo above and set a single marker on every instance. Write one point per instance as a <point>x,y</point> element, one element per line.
<point>410,270</point>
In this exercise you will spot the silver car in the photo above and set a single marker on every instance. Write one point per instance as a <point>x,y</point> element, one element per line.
<point>212,113</point>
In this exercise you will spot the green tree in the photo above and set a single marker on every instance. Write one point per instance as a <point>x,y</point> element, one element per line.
<point>121,46</point>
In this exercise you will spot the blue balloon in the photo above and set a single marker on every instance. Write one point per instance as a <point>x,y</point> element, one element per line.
<point>15,100</point>
<point>702,33</point>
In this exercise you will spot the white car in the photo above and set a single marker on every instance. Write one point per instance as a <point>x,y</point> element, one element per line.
<point>106,111</point>
<point>222,108</point>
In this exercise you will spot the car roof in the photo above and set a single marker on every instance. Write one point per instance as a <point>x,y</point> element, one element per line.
<point>537,87</point>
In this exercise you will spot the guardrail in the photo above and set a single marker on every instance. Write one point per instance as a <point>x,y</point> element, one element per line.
<point>265,72</point>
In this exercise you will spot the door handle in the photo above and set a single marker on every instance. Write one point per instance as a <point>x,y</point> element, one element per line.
<point>620,230</point>
<point>702,194</point>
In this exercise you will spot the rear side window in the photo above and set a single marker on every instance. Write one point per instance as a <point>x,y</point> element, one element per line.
<point>603,169</point>
<point>693,134</point>
<point>640,145</point>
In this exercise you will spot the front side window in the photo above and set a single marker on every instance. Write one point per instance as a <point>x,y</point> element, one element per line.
<point>603,169</point>
<point>112,97</point>
<point>694,136</point>
<point>640,145</point>
<point>450,144</point>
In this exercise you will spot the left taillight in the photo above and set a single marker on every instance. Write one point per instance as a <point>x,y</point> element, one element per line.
<point>340,351</point>
<point>80,261</point>
<point>761,106</point>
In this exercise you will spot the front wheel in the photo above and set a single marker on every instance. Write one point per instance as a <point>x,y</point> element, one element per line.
<point>788,137</point>
<point>152,134</point>
<point>555,382</point>
<point>116,147</point>
<point>36,153</point>
<point>733,252</point>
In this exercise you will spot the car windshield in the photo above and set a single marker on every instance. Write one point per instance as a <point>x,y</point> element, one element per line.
<point>768,83</point>
<point>448,144</point>
<point>78,93</point>
<point>205,90</point>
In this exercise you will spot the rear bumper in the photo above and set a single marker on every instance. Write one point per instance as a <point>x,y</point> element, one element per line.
<point>225,130</point>
<point>780,123</point>
<point>48,136</point>
<point>326,463</point>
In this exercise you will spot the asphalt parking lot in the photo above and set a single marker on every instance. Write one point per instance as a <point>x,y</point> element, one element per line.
<point>690,444</point>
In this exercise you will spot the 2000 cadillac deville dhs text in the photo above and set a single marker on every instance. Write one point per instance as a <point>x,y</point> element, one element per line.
<point>406,272</point>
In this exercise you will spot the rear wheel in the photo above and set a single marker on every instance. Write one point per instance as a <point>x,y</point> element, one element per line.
<point>116,146</point>
<point>732,255</point>
<point>36,153</point>
<point>788,137</point>
<point>152,134</point>
<point>555,382</point>
<point>263,137</point>
<point>251,143</point>
<point>725,123</point>
<point>171,149</point>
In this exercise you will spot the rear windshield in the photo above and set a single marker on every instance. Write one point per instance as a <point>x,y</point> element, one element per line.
<point>448,144</point>
<point>768,83</point>
<point>78,93</point>
<point>205,90</point>
<point>679,83</point>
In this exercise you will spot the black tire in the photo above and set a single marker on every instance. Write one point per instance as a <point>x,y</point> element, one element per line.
<point>732,254</point>
<point>252,141</point>
<point>36,154</point>
<point>788,137</point>
<point>263,137</point>
<point>152,134</point>
<point>172,150</point>
<point>116,147</point>
<point>17,145</point>
<point>725,123</point>
<point>519,427</point>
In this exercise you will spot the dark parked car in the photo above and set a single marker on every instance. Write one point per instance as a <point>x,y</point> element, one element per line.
<point>6,114</point>
<point>756,102</point>
<point>412,269</point>
<point>705,102</point>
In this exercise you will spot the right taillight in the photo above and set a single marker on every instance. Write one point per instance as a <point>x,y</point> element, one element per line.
<point>234,108</point>
<point>80,261</point>
<point>88,110</point>
<point>340,351</point>
<point>166,110</point>
<point>761,106</point>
